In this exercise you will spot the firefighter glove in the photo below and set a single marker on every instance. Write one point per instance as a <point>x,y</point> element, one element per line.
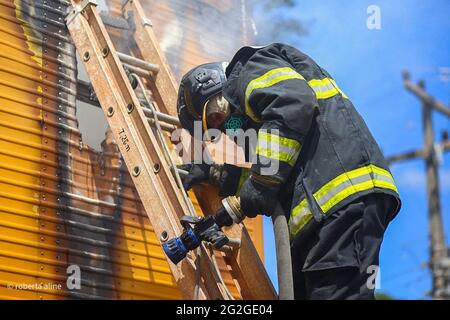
<point>197,173</point>
<point>258,197</point>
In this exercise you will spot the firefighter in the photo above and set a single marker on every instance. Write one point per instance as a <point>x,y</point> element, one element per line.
<point>331,179</point>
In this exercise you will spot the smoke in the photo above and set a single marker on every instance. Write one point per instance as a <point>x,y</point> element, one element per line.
<point>277,21</point>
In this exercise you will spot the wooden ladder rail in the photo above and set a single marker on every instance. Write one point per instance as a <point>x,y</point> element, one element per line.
<point>158,191</point>
<point>246,265</point>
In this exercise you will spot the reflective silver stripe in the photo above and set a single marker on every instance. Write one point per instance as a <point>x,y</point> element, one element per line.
<point>352,182</point>
<point>299,218</point>
<point>325,88</point>
<point>348,183</point>
<point>293,153</point>
<point>340,188</point>
<point>268,79</point>
<point>289,158</point>
<point>276,147</point>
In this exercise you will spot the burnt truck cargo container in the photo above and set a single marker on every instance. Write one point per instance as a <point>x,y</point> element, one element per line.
<point>63,202</point>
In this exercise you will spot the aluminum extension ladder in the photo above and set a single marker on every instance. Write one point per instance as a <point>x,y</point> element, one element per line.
<point>145,151</point>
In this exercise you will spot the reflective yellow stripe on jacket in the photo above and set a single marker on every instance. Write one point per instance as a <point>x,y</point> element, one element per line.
<point>338,189</point>
<point>268,79</point>
<point>325,88</point>
<point>276,147</point>
<point>245,173</point>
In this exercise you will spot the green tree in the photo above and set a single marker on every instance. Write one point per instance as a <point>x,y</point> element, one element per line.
<point>383,296</point>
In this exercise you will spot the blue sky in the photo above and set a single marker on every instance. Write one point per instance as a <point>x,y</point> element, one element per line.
<point>367,65</point>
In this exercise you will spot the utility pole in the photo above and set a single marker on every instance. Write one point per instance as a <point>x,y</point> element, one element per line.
<point>438,248</point>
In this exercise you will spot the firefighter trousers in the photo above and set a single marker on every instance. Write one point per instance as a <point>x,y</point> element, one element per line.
<point>338,257</point>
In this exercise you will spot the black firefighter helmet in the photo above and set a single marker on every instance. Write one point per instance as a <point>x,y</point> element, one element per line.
<point>197,87</point>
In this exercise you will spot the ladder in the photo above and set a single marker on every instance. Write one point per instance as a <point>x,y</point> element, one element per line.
<point>145,150</point>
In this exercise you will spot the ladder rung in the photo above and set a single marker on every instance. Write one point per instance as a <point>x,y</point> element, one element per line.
<point>234,242</point>
<point>162,117</point>
<point>229,247</point>
<point>164,126</point>
<point>84,93</point>
<point>226,249</point>
<point>138,71</point>
<point>167,123</point>
<point>118,23</point>
<point>135,62</point>
<point>182,172</point>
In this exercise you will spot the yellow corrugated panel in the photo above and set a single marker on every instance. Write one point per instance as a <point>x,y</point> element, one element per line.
<point>18,57</point>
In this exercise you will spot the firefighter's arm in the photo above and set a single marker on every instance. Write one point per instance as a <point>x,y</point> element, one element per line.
<point>228,178</point>
<point>279,98</point>
<point>203,170</point>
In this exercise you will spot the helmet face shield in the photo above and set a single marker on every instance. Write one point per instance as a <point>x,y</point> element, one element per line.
<point>216,112</point>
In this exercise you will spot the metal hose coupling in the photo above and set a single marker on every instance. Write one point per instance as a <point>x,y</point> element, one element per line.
<point>232,205</point>
<point>208,229</point>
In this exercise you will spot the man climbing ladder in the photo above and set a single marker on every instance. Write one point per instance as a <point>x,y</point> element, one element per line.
<point>332,177</point>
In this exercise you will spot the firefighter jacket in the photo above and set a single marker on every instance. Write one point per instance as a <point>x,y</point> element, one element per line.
<point>325,154</point>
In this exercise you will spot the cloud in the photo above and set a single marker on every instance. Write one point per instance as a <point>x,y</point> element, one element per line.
<point>411,179</point>
<point>415,179</point>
